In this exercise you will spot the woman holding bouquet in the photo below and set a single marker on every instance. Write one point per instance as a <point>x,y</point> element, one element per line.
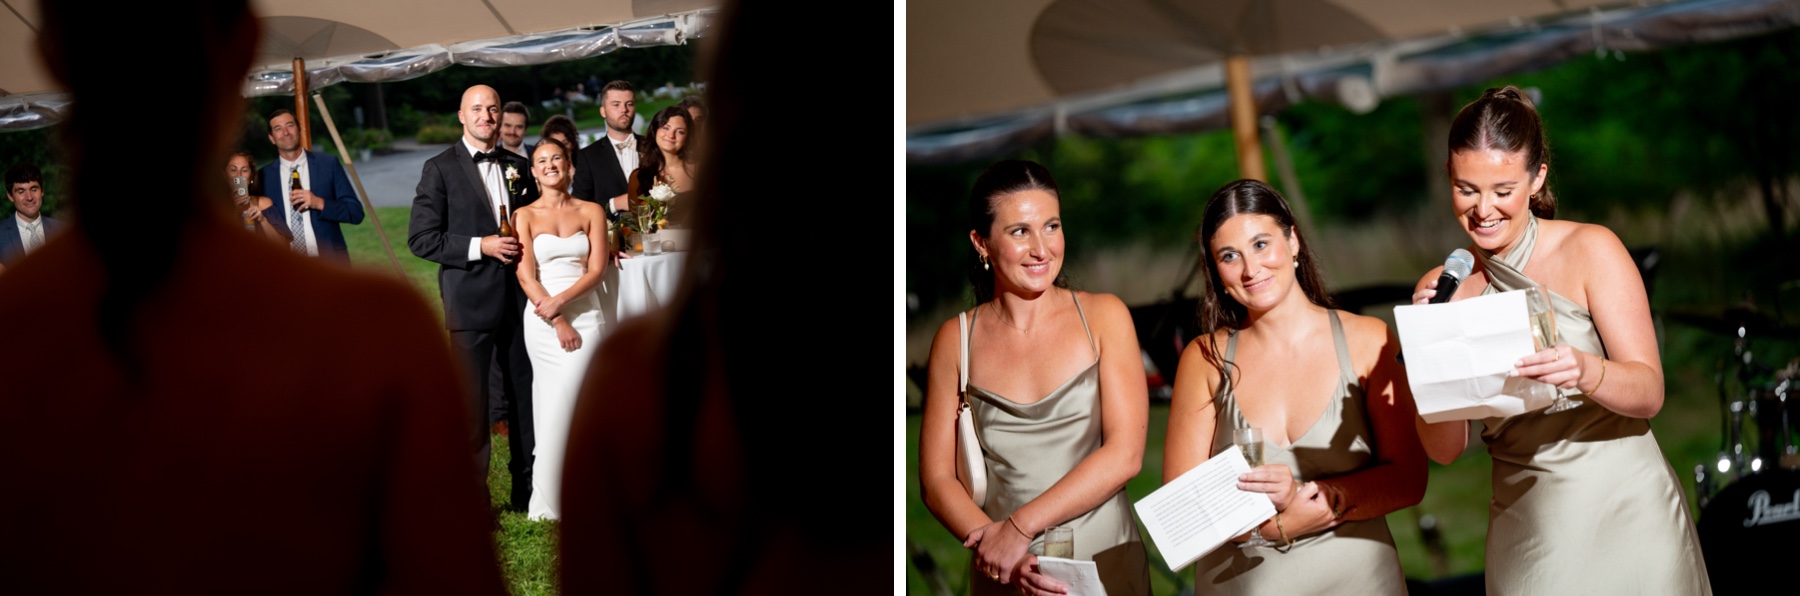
<point>1056,387</point>
<point>563,254</point>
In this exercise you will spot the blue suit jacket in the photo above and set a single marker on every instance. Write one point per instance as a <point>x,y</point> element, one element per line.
<point>12,247</point>
<point>329,181</point>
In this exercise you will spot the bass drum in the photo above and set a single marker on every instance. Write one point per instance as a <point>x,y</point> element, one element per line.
<point>1748,531</point>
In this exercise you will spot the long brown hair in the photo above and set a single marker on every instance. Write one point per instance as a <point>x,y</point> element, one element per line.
<point>1504,119</point>
<point>1218,310</point>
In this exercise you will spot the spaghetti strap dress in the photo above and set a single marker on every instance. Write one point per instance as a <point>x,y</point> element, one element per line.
<point>1584,501</point>
<point>1356,557</point>
<point>1029,446</point>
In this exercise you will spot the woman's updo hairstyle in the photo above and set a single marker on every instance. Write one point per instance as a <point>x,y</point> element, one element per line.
<point>999,180</point>
<point>1504,119</point>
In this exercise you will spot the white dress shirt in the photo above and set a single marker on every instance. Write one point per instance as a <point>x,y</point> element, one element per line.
<point>495,177</point>
<point>287,206</point>
<point>628,157</point>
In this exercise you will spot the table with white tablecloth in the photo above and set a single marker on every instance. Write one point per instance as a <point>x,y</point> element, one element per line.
<point>639,285</point>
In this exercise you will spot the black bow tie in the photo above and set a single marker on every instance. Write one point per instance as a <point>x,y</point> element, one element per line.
<point>494,156</point>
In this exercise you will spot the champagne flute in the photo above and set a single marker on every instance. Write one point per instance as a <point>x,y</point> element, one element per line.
<point>1250,440</point>
<point>1059,541</point>
<point>1543,336</point>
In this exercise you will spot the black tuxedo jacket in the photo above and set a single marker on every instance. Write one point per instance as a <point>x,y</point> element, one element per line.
<point>598,176</point>
<point>451,206</point>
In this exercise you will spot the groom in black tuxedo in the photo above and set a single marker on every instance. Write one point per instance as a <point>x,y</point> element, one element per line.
<point>456,223</point>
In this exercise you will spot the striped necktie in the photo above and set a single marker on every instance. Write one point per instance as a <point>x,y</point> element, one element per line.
<point>34,233</point>
<point>296,219</point>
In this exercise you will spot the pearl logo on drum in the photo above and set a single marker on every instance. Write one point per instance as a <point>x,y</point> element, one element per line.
<point>1761,514</point>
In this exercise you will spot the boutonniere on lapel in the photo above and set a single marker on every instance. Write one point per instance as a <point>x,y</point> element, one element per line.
<point>512,176</point>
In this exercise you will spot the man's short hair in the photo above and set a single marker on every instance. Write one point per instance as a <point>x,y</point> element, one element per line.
<point>514,107</point>
<point>22,173</point>
<point>619,85</point>
<point>277,114</point>
<point>690,102</point>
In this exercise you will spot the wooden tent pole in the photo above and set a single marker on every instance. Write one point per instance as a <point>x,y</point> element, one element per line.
<point>368,208</point>
<point>300,104</point>
<point>1243,118</point>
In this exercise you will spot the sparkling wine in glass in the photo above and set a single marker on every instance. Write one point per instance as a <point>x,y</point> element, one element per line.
<point>1250,440</point>
<point>1059,541</point>
<point>1543,336</point>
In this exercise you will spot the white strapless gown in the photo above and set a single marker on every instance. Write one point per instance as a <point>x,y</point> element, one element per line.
<point>556,374</point>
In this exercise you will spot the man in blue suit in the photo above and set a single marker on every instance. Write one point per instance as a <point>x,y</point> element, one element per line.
<point>28,228</point>
<point>324,200</point>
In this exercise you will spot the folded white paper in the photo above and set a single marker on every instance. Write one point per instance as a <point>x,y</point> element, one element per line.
<point>1082,577</point>
<point>1459,353</point>
<point>1202,509</point>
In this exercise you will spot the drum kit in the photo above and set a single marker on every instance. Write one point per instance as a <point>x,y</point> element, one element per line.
<point>1749,495</point>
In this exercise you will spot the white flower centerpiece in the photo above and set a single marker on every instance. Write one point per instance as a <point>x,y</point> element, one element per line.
<point>651,214</point>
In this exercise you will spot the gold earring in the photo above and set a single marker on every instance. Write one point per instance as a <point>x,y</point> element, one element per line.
<point>984,263</point>
<point>1296,262</point>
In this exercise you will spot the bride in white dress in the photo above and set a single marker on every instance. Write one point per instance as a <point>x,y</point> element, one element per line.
<point>564,244</point>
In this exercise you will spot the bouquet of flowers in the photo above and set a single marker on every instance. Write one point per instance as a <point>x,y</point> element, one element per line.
<point>652,210</point>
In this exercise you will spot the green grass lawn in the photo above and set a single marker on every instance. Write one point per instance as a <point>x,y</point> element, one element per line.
<point>527,548</point>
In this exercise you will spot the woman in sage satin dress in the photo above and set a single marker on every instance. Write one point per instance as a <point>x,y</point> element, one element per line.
<point>1056,385</point>
<point>1340,449</point>
<point>1584,501</point>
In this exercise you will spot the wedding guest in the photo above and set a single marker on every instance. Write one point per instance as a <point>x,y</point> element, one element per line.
<point>563,253</point>
<point>668,163</point>
<point>325,200</point>
<point>1584,500</point>
<point>255,209</point>
<point>1046,366</point>
<point>463,195</point>
<point>695,108</point>
<point>682,475</point>
<point>561,128</point>
<point>696,111</point>
<point>1339,451</point>
<point>28,229</point>
<point>602,166</point>
<point>177,444</point>
<point>513,119</point>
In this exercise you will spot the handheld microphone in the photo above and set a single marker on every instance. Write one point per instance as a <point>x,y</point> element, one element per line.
<point>1456,269</point>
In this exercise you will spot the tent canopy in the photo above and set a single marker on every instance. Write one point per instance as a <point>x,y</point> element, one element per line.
<point>364,41</point>
<point>988,79</point>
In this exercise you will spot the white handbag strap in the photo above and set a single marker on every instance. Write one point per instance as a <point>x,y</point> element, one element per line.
<point>962,342</point>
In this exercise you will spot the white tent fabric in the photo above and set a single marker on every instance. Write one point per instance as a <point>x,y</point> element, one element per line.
<point>948,123</point>
<point>371,41</point>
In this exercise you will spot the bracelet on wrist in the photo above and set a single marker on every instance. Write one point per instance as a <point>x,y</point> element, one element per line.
<point>1015,526</point>
<point>1602,380</point>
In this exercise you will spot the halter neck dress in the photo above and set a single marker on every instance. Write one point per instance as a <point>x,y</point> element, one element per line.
<point>1584,501</point>
<point>1356,557</point>
<point>1028,447</point>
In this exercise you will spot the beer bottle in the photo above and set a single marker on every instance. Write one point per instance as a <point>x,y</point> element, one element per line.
<point>506,228</point>
<point>294,185</point>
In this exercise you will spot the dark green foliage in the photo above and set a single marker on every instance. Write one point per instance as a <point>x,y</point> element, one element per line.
<point>1717,122</point>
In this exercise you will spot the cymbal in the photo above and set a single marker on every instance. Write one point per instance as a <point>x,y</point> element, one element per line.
<point>1727,321</point>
